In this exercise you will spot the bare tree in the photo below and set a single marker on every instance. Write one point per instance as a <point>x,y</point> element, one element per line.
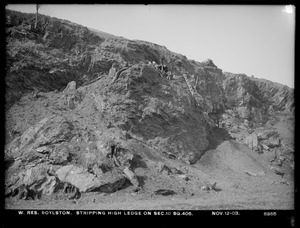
<point>38,6</point>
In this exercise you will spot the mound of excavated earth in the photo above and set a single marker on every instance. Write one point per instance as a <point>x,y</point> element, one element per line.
<point>231,155</point>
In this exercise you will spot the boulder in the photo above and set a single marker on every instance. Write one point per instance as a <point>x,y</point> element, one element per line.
<point>164,192</point>
<point>71,88</point>
<point>45,149</point>
<point>71,95</point>
<point>85,181</point>
<point>251,141</point>
<point>112,71</point>
<point>131,177</point>
<point>277,171</point>
<point>265,147</point>
<point>184,177</point>
<point>210,185</point>
<point>78,177</point>
<point>266,134</point>
<point>272,142</point>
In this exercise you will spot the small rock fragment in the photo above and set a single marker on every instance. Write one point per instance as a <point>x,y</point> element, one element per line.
<point>184,177</point>
<point>164,192</point>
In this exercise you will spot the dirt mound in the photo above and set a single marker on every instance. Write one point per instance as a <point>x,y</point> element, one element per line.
<point>234,156</point>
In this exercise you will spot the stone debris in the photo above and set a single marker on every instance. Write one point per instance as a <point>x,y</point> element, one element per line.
<point>277,171</point>
<point>44,149</point>
<point>282,182</point>
<point>184,177</point>
<point>212,185</point>
<point>164,192</point>
<point>122,160</point>
<point>163,168</point>
<point>272,142</point>
<point>265,147</point>
<point>278,162</point>
<point>267,134</point>
<point>262,173</point>
<point>250,173</point>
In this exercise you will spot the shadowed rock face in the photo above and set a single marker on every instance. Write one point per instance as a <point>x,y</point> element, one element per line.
<point>157,110</point>
<point>109,94</point>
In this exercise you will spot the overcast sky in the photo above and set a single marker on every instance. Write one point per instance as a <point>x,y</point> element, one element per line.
<point>255,40</point>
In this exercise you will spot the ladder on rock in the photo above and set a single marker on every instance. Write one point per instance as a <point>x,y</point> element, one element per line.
<point>199,99</point>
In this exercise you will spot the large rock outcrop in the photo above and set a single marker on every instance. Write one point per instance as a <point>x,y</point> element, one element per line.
<point>95,92</point>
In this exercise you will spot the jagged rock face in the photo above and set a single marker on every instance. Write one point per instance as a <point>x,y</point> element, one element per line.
<point>72,51</point>
<point>157,110</point>
<point>254,101</point>
<point>278,97</point>
<point>241,91</point>
<point>88,55</point>
<point>51,130</point>
<point>60,52</point>
<point>46,58</point>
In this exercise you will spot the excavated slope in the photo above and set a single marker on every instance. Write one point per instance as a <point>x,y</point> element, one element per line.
<point>93,91</point>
